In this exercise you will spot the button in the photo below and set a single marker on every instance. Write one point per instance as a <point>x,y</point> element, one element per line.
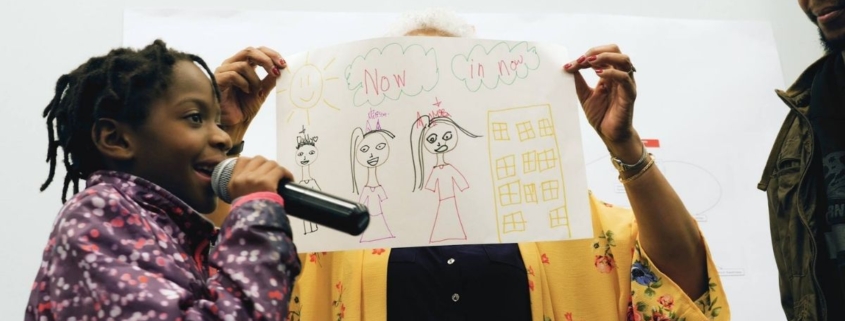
<point>450,261</point>
<point>456,297</point>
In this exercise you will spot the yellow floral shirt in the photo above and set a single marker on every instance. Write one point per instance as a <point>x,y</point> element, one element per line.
<point>607,278</point>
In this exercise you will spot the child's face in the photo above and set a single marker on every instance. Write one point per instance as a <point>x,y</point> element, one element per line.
<point>180,142</point>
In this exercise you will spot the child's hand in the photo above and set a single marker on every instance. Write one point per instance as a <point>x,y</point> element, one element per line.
<point>242,91</point>
<point>258,174</point>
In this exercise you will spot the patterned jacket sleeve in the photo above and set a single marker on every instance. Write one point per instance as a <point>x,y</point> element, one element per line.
<point>257,257</point>
<point>105,261</point>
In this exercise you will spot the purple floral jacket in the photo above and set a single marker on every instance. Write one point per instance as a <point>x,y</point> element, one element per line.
<point>126,249</point>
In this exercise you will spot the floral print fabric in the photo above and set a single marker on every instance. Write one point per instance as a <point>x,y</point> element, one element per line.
<point>608,277</point>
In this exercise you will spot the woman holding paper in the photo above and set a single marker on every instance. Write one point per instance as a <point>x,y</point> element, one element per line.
<point>649,261</point>
<point>646,262</point>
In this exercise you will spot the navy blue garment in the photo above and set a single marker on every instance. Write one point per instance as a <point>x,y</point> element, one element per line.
<point>466,282</point>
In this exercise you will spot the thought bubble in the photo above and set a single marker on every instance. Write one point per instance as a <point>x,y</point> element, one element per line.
<point>391,72</point>
<point>502,63</point>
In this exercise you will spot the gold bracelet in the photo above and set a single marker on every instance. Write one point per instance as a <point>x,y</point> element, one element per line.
<point>640,173</point>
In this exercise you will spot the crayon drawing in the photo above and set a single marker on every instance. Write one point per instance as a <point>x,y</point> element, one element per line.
<point>306,155</point>
<point>306,87</point>
<point>439,136</point>
<point>480,171</point>
<point>371,150</point>
<point>526,170</point>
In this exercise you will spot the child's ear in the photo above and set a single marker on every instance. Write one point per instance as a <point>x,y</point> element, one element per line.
<point>113,139</point>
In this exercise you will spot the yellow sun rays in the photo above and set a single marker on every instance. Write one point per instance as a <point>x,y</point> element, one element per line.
<point>306,88</point>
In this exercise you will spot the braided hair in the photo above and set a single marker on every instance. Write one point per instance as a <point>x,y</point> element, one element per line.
<point>121,86</point>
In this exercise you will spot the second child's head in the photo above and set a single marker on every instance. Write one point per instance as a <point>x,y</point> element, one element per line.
<point>153,113</point>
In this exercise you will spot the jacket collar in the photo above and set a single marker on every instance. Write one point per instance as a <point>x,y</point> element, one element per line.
<point>193,228</point>
<point>799,93</point>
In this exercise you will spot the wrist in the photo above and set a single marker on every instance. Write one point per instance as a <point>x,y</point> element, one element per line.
<point>236,149</point>
<point>236,134</point>
<point>628,151</point>
<point>236,130</point>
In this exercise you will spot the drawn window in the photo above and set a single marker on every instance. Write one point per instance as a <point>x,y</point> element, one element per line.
<point>546,127</point>
<point>529,162</point>
<point>525,130</point>
<point>546,159</point>
<point>509,194</point>
<point>551,190</point>
<point>500,131</point>
<point>513,222</point>
<point>529,192</point>
<point>557,217</point>
<point>506,167</point>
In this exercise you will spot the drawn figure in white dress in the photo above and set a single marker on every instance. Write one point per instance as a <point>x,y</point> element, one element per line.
<point>371,150</point>
<point>439,136</point>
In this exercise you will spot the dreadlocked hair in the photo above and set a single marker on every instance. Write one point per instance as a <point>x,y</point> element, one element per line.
<point>121,86</point>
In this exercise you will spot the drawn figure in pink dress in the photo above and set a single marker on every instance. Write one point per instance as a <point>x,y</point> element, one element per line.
<point>306,154</point>
<point>439,135</point>
<point>371,150</point>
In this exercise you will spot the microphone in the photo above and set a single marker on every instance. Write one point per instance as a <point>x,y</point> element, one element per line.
<point>303,202</point>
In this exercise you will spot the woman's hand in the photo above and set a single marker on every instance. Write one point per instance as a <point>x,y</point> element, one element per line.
<point>609,106</point>
<point>667,232</point>
<point>242,91</point>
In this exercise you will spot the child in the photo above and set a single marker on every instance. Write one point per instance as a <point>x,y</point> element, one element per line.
<point>144,129</point>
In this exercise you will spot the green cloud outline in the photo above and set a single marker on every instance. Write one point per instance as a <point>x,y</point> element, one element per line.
<point>530,49</point>
<point>359,86</point>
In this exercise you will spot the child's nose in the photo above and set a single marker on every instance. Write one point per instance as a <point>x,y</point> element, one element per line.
<point>220,139</point>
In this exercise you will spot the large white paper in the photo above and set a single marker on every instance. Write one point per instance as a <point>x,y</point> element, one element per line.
<point>446,141</point>
<point>705,91</point>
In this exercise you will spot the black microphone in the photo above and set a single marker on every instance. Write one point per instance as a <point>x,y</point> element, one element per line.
<point>303,202</point>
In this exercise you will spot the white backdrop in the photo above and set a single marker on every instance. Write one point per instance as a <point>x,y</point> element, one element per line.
<point>43,39</point>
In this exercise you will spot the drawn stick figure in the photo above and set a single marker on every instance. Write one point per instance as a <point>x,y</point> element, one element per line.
<point>439,135</point>
<point>371,150</point>
<point>306,155</point>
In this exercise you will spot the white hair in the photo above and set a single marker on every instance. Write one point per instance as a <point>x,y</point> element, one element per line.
<point>434,18</point>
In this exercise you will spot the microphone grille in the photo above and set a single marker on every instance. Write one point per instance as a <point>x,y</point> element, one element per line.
<point>220,178</point>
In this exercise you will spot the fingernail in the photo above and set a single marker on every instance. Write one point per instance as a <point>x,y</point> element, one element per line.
<point>276,71</point>
<point>283,62</point>
<point>592,58</point>
<point>598,71</point>
<point>566,66</point>
<point>581,59</point>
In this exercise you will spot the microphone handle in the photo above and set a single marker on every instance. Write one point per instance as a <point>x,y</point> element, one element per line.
<point>326,210</point>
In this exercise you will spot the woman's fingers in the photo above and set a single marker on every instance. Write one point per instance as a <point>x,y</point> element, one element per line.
<point>616,60</point>
<point>246,71</point>
<point>267,58</point>
<point>228,79</point>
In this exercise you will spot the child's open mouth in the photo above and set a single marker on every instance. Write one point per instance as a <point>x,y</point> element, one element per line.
<point>204,170</point>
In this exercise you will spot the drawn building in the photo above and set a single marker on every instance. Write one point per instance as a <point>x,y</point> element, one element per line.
<point>527,174</point>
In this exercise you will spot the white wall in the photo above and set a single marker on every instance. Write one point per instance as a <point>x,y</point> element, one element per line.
<point>40,40</point>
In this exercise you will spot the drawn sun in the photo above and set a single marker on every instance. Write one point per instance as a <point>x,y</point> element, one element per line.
<point>305,89</point>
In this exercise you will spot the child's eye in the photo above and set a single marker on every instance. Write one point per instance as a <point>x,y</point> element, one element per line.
<point>197,118</point>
